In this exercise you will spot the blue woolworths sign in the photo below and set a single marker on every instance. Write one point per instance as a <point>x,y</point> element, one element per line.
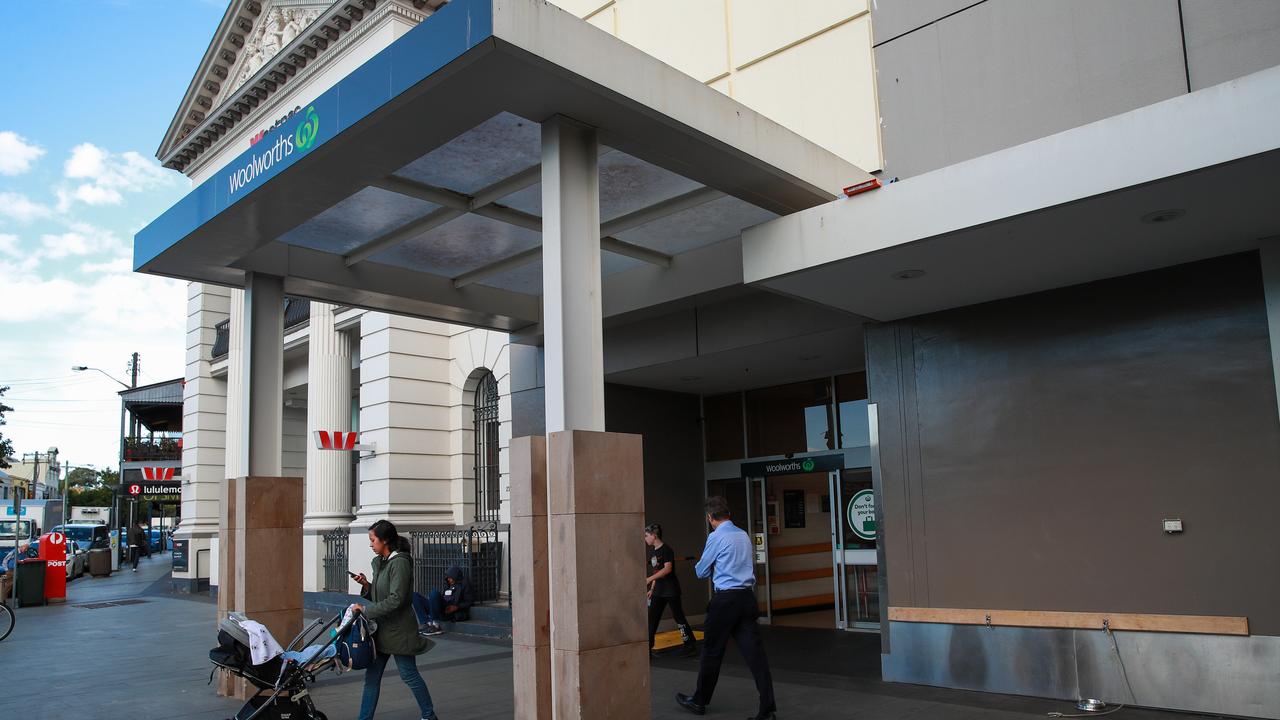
<point>261,163</point>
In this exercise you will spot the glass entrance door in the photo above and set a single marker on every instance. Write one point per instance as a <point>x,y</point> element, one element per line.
<point>854,550</point>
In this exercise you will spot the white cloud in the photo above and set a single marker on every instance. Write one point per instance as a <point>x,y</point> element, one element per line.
<point>107,176</point>
<point>21,208</point>
<point>16,154</point>
<point>98,323</point>
<point>9,245</point>
<point>122,264</point>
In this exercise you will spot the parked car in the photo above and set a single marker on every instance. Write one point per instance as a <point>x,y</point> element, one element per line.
<point>77,558</point>
<point>91,536</point>
<point>158,540</point>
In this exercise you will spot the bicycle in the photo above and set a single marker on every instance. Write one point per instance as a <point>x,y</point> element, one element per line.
<point>7,621</point>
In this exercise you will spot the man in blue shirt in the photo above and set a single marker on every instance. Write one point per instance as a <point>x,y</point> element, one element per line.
<point>732,612</point>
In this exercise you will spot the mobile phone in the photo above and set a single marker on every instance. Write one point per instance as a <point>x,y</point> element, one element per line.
<point>353,575</point>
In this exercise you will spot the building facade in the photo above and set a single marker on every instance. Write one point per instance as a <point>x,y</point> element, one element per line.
<point>1015,408</point>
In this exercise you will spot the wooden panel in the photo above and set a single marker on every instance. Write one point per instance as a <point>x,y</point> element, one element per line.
<point>1204,624</point>
<point>799,602</point>
<point>799,549</point>
<point>798,575</point>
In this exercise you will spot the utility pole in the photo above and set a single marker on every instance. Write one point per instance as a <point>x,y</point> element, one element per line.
<point>133,383</point>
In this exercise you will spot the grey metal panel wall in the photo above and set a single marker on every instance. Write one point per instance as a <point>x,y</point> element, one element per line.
<point>1198,673</point>
<point>1230,38</point>
<point>897,17</point>
<point>1030,448</point>
<point>1004,72</point>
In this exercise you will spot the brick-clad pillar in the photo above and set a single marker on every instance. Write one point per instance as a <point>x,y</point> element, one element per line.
<point>599,637</point>
<point>530,617</point>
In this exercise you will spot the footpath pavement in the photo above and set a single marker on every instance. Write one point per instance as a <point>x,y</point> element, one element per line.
<point>125,647</point>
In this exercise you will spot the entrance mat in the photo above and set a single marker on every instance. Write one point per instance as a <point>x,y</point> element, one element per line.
<point>112,603</point>
<point>671,638</point>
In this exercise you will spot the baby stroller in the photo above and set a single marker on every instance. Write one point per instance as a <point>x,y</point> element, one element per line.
<point>281,682</point>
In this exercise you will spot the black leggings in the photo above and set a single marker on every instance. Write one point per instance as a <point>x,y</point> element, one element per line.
<point>656,606</point>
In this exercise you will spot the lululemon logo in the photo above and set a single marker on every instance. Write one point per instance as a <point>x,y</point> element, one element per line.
<point>307,131</point>
<point>807,465</point>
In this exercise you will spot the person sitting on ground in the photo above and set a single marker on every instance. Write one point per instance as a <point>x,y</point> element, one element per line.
<point>451,605</point>
<point>9,566</point>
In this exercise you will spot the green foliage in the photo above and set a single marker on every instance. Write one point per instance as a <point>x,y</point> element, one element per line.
<point>6,445</point>
<point>109,477</point>
<point>82,477</point>
<point>90,497</point>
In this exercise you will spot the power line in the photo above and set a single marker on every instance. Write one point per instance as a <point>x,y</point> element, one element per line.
<point>79,400</point>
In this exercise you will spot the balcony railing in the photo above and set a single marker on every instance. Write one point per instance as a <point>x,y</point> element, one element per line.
<point>296,312</point>
<point>160,448</point>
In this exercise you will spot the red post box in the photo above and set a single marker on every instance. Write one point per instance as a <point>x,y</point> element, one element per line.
<point>53,550</point>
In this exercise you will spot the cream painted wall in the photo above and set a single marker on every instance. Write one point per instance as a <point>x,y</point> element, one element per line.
<point>808,65</point>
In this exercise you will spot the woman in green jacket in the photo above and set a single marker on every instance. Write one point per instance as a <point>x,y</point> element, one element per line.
<point>390,594</point>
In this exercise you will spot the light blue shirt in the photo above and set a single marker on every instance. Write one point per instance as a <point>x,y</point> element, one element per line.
<point>727,558</point>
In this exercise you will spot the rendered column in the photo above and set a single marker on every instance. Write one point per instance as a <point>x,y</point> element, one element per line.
<point>595,480</point>
<point>530,612</point>
<point>329,472</point>
<point>204,400</point>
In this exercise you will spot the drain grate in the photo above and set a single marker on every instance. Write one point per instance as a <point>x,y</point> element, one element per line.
<point>113,603</point>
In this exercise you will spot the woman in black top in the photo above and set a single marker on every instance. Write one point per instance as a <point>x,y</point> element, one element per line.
<point>664,589</point>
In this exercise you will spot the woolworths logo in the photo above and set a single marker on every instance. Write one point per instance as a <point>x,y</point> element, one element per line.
<point>307,131</point>
<point>301,139</point>
<point>805,465</point>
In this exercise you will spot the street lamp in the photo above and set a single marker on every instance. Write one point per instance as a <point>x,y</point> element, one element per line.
<point>82,368</point>
<point>120,462</point>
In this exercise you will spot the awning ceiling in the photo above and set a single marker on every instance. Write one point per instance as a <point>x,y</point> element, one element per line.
<point>420,192</point>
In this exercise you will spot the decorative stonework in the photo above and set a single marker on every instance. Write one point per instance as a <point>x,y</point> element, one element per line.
<point>276,28</point>
<point>279,49</point>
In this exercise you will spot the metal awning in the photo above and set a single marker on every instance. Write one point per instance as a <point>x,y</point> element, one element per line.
<point>413,184</point>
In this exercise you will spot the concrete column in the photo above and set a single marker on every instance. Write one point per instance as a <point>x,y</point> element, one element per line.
<point>261,510</point>
<point>595,480</point>
<point>571,314</point>
<point>264,374</point>
<point>530,582</point>
<point>329,472</point>
<point>204,409</point>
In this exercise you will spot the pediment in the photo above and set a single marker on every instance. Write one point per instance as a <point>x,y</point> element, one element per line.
<point>278,25</point>
<point>260,47</point>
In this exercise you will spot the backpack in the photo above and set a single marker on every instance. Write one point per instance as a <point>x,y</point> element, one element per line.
<point>356,648</point>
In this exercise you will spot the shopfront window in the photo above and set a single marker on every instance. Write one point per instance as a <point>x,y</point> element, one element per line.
<point>851,392</point>
<point>789,419</point>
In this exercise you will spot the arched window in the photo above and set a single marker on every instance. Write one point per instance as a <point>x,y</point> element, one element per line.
<point>485,425</point>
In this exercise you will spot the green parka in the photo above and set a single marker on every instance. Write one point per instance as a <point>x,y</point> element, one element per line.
<point>390,593</point>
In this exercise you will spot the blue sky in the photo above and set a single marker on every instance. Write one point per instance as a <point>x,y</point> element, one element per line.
<point>89,89</point>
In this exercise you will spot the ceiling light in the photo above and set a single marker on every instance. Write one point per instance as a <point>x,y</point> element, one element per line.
<point>1163,216</point>
<point>907,274</point>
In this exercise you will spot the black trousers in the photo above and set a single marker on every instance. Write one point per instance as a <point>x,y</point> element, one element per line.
<point>732,614</point>
<point>656,606</point>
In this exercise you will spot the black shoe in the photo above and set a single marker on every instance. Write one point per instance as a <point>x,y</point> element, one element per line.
<point>690,650</point>
<point>771,715</point>
<point>687,703</point>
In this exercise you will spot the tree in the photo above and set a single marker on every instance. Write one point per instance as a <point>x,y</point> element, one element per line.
<point>90,497</point>
<point>82,477</point>
<point>6,445</point>
<point>108,477</point>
